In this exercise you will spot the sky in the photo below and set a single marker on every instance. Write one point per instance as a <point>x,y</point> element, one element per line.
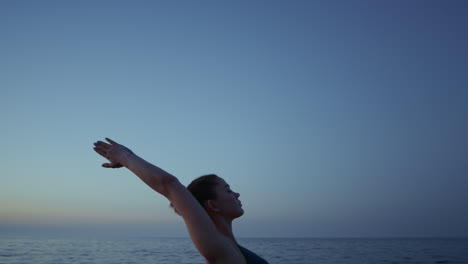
<point>330,118</point>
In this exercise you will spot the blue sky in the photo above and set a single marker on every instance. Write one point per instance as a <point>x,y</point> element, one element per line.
<point>330,118</point>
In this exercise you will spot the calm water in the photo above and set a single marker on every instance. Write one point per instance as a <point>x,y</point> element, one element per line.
<point>276,250</point>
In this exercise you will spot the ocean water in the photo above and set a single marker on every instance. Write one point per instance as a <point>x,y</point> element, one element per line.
<point>82,250</point>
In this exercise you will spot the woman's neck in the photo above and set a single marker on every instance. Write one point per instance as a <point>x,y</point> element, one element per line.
<point>224,226</point>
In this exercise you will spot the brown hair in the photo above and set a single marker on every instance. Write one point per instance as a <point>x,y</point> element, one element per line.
<point>203,188</point>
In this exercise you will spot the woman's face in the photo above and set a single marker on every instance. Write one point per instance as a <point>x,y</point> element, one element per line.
<point>227,200</point>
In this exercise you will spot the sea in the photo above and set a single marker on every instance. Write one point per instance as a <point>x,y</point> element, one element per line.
<point>158,250</point>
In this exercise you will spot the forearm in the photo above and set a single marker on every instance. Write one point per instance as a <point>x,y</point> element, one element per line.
<point>153,176</point>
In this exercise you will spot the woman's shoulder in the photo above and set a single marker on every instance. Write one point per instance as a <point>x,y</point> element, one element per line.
<point>231,253</point>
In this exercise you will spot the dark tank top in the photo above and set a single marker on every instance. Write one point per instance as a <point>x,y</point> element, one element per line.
<point>251,258</point>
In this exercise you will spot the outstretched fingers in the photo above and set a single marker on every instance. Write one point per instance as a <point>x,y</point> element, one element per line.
<point>101,147</point>
<point>112,141</point>
<point>105,150</point>
<point>100,151</point>
<point>102,144</point>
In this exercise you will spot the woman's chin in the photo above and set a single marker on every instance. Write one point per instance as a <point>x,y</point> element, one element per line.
<point>241,212</point>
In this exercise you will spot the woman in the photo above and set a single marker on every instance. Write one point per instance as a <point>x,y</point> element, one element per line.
<point>207,205</point>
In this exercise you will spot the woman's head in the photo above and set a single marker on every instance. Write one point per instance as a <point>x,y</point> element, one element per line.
<point>216,196</point>
<point>203,188</point>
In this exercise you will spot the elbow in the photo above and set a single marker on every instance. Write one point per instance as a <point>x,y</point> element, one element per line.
<point>168,184</point>
<point>169,180</point>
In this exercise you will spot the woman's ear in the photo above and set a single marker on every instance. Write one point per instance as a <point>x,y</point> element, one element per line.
<point>211,205</point>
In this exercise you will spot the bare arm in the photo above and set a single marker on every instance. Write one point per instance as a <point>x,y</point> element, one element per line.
<point>211,244</point>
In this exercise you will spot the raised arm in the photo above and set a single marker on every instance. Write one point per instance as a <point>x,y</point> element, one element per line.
<point>120,156</point>
<point>211,244</point>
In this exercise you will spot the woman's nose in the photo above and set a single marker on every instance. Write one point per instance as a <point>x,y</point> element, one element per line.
<point>237,195</point>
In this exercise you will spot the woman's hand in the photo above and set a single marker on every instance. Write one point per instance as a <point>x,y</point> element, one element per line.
<point>114,152</point>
